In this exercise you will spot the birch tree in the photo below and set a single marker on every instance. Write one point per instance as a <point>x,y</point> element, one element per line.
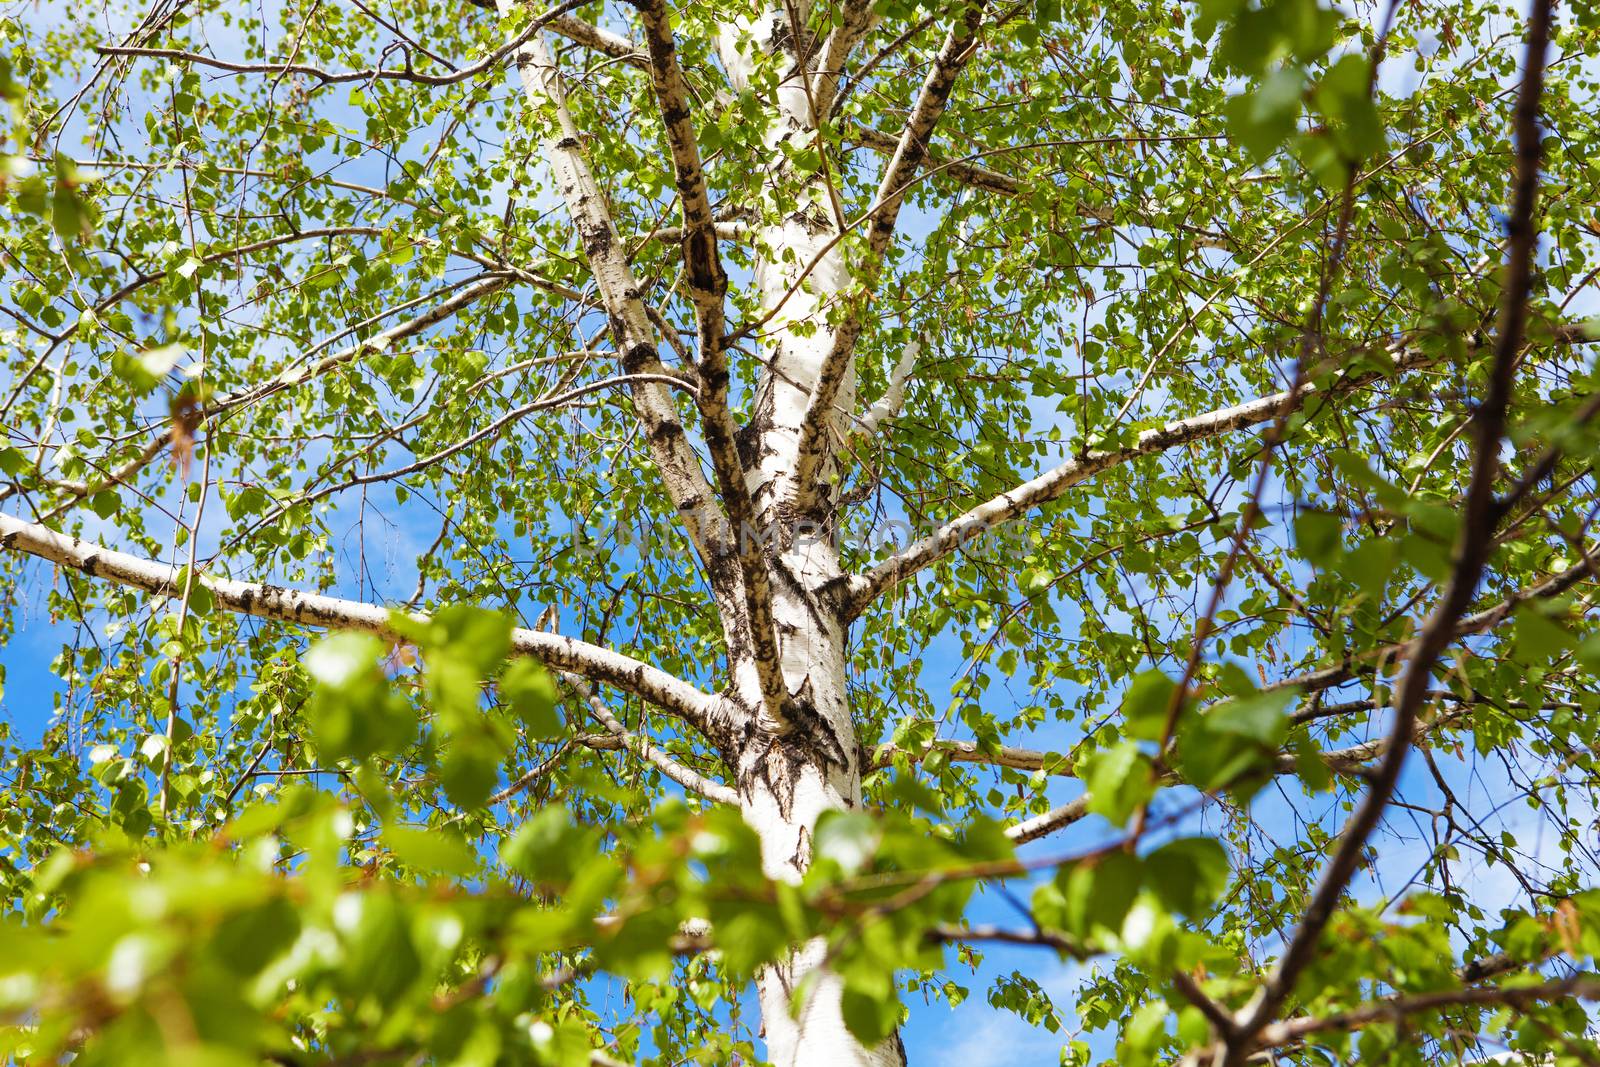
<point>551,518</point>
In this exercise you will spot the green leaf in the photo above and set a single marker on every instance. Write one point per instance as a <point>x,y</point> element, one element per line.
<point>1098,894</point>
<point>1371,565</point>
<point>1258,37</point>
<point>325,276</point>
<point>469,769</point>
<point>1360,472</point>
<point>566,1044</point>
<point>477,636</point>
<point>1309,765</point>
<point>548,847</point>
<point>1539,639</point>
<point>1188,875</point>
<point>748,935</point>
<point>380,958</point>
<point>1214,12</point>
<point>531,692</point>
<point>69,212</point>
<point>1342,97</point>
<point>353,710</point>
<point>159,361</point>
<point>847,838</point>
<point>341,660</point>
<point>249,939</point>
<point>1144,1035</point>
<point>436,851</point>
<point>870,1007</point>
<point>1317,535</point>
<point>1145,703</point>
<point>1119,779</point>
<point>1234,743</point>
<point>1262,119</point>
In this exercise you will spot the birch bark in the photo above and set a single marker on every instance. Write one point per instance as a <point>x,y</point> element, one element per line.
<point>801,758</point>
<point>785,785</point>
<point>790,774</point>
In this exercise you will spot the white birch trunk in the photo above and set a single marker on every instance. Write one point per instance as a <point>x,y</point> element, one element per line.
<point>791,768</point>
<point>800,271</point>
<point>786,782</point>
<point>783,795</point>
<point>784,789</point>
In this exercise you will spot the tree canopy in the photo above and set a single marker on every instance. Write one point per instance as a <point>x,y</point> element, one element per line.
<point>633,532</point>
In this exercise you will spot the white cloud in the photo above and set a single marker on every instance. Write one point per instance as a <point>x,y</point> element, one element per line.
<point>976,1035</point>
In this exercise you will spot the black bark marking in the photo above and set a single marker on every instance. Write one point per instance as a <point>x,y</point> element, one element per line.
<point>637,356</point>
<point>750,437</point>
<point>779,760</point>
<point>802,849</point>
<point>795,587</point>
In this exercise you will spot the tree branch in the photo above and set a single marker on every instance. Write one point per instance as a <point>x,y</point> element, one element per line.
<point>1022,759</point>
<point>900,173</point>
<point>691,780</point>
<point>1479,516</point>
<point>621,294</point>
<point>1055,764</point>
<point>533,774</point>
<point>862,589</point>
<point>600,40</point>
<point>968,173</point>
<point>707,287</point>
<point>961,169</point>
<point>947,932</point>
<point>1048,823</point>
<point>266,601</point>
<point>143,280</point>
<point>894,395</point>
<point>1478,622</point>
<point>1346,761</point>
<point>1586,986</point>
<point>1350,760</point>
<point>855,19</point>
<point>289,378</point>
<point>327,77</point>
<point>492,430</point>
<point>706,281</point>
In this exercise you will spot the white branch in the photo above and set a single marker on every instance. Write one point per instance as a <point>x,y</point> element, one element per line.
<point>899,174</point>
<point>856,17</point>
<point>964,171</point>
<point>1048,823</point>
<point>894,397</point>
<point>862,589</point>
<point>641,747</point>
<point>675,458</point>
<point>600,40</point>
<point>1022,759</point>
<point>266,601</point>
<point>706,284</point>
